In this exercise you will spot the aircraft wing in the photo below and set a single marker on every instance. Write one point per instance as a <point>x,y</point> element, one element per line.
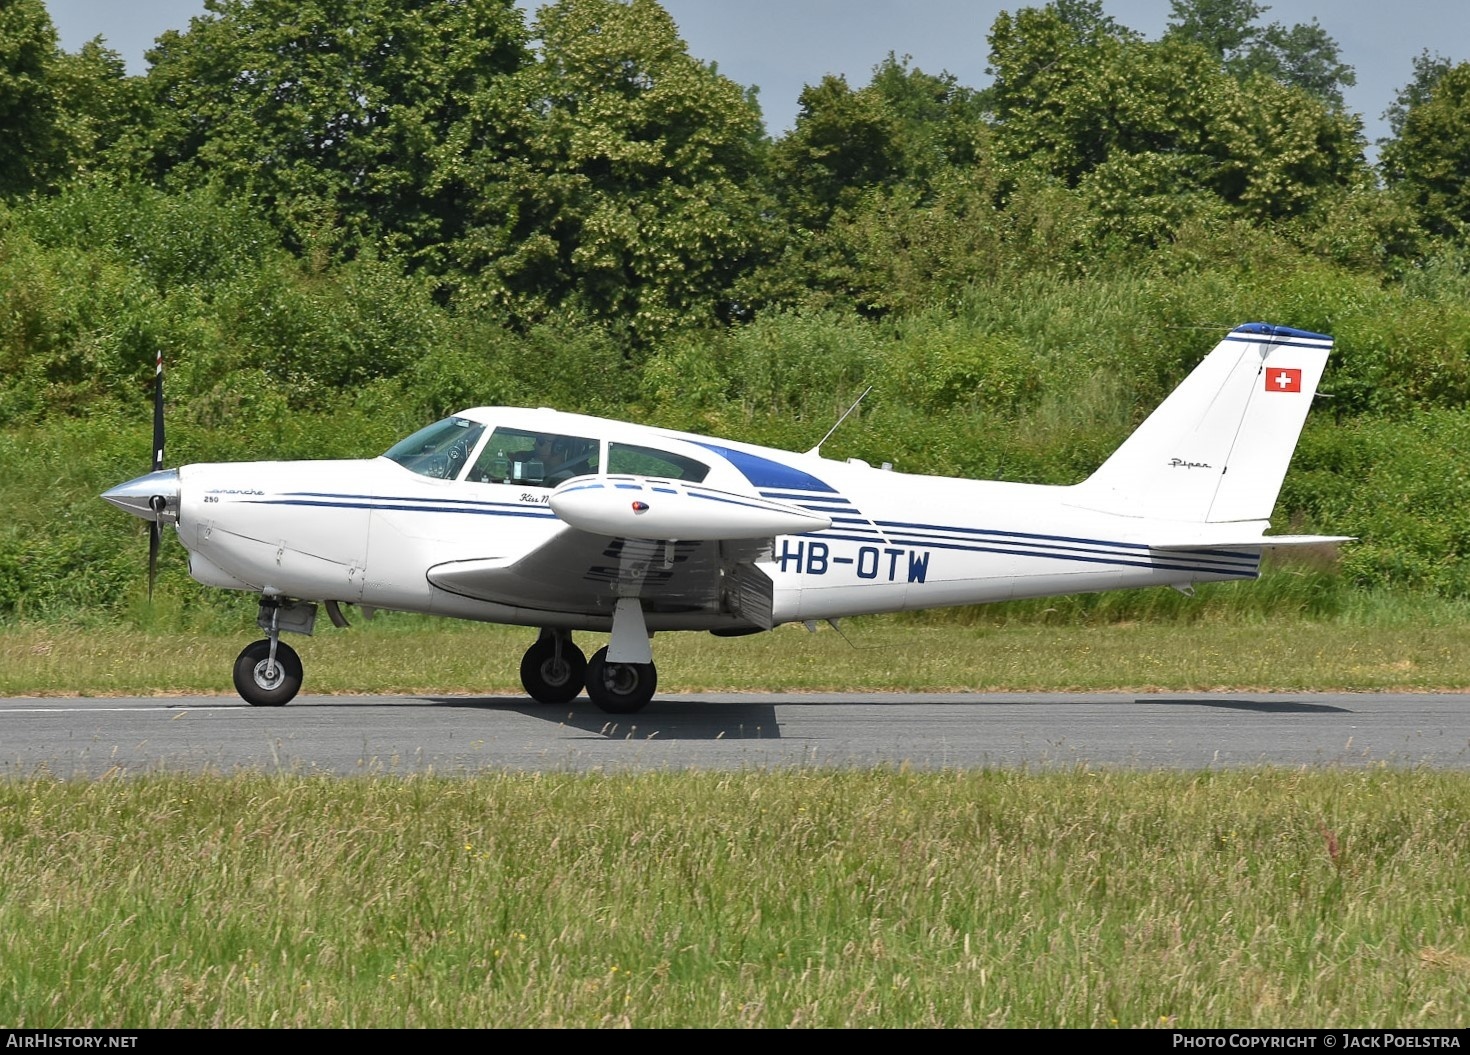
<point>668,543</point>
<point>578,571</point>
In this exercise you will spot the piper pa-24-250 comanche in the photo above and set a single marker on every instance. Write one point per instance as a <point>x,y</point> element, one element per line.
<point>568,523</point>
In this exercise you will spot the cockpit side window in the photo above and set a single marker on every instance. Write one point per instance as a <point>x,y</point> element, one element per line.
<point>441,450</point>
<point>648,461</point>
<point>534,459</point>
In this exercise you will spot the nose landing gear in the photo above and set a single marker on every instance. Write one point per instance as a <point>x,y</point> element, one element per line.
<point>268,673</point>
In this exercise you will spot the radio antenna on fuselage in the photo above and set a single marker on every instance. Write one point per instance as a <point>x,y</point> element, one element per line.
<point>817,450</point>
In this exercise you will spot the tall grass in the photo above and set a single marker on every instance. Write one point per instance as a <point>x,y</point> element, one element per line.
<point>1407,647</point>
<point>755,899</point>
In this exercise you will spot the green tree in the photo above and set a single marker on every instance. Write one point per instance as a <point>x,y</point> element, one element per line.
<point>1089,21</point>
<point>941,123</point>
<point>1303,55</point>
<point>329,112</point>
<point>1428,163</point>
<point>1428,69</point>
<point>1279,150</point>
<point>886,190</point>
<point>1154,132</point>
<point>100,107</point>
<point>1062,93</point>
<point>842,144</point>
<point>906,127</point>
<point>31,144</point>
<point>1225,28</point>
<point>59,112</point>
<point>615,178</point>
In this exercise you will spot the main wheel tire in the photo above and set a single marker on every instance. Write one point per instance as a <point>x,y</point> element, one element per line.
<point>548,679</point>
<point>620,688</point>
<point>261,685</point>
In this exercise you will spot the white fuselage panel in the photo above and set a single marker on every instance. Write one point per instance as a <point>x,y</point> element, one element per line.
<point>372,532</point>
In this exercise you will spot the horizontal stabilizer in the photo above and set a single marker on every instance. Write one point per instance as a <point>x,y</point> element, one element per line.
<point>1262,542</point>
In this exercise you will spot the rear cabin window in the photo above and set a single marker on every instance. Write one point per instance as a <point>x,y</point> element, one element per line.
<point>647,461</point>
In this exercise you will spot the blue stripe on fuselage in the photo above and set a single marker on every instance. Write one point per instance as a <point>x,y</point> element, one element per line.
<point>766,472</point>
<point>913,535</point>
<point>412,505</point>
<point>916,535</point>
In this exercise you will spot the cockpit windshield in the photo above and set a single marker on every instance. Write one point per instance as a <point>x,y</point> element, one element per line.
<point>441,450</point>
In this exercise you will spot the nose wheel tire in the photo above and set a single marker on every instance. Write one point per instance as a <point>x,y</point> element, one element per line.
<point>549,678</point>
<point>620,688</point>
<point>263,684</point>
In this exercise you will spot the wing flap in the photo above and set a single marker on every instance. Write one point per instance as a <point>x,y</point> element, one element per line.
<point>576,571</point>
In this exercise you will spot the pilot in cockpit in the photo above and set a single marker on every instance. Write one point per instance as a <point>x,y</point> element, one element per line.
<point>542,459</point>
<point>550,452</point>
<point>563,457</point>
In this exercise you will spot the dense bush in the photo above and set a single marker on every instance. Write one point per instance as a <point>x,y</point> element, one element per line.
<point>1009,279</point>
<point>1035,381</point>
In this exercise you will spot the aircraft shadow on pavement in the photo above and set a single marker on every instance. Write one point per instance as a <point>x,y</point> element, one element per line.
<point>664,719</point>
<point>1260,706</point>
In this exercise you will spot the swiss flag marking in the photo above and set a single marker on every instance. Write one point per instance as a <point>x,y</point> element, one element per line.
<point>1283,379</point>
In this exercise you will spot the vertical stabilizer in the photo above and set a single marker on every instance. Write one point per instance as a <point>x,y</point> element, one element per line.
<point>1217,449</point>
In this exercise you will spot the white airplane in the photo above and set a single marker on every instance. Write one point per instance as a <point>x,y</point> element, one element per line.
<point>566,523</point>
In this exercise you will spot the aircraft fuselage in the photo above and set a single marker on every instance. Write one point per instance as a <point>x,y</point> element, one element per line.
<point>372,532</point>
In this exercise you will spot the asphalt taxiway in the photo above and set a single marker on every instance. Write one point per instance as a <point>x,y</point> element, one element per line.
<point>345,735</point>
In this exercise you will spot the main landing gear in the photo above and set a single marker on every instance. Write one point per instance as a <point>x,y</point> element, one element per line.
<point>554,670</point>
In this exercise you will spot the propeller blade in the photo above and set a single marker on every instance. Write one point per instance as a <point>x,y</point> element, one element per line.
<point>154,533</point>
<point>155,529</point>
<point>158,412</point>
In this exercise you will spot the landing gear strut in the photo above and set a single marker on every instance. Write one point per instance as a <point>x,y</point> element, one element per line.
<point>553,669</point>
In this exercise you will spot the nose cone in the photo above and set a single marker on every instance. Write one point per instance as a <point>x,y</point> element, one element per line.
<point>153,497</point>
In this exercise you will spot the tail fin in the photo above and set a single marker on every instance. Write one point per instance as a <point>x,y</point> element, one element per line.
<point>1216,450</point>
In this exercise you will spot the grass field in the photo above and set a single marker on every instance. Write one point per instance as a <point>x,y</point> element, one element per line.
<point>811,898</point>
<point>410,655</point>
<point>752,899</point>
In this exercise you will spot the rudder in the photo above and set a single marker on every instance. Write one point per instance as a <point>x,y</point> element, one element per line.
<point>1217,449</point>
